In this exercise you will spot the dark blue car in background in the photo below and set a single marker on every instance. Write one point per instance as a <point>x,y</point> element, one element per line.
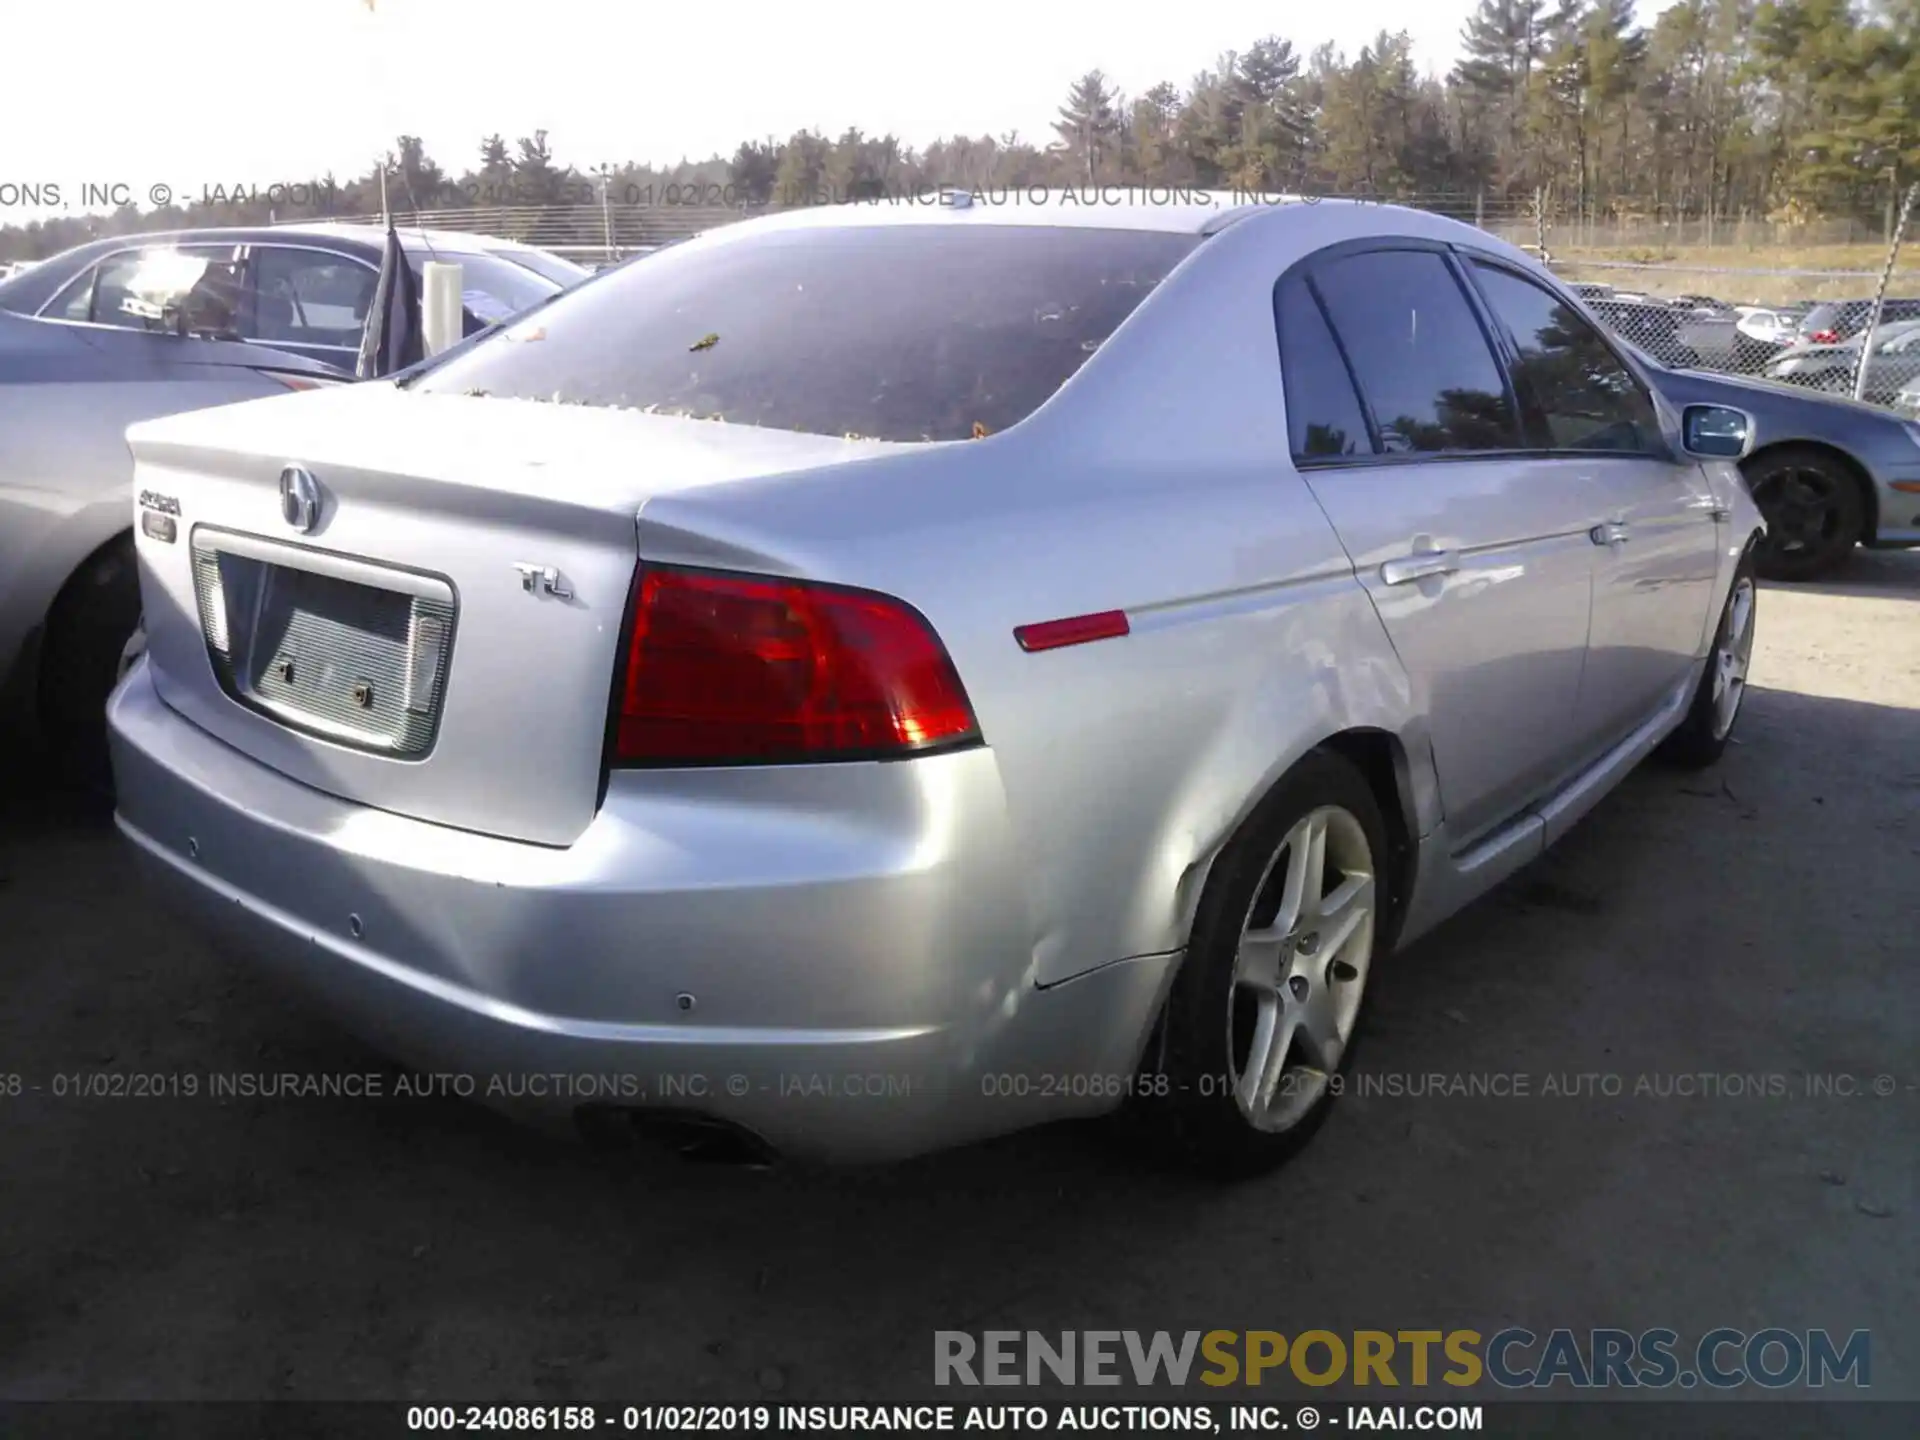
<point>305,289</point>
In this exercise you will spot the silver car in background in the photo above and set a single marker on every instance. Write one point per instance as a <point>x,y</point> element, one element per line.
<point>69,595</point>
<point>136,326</point>
<point>305,288</point>
<point>1892,358</point>
<point>870,678</point>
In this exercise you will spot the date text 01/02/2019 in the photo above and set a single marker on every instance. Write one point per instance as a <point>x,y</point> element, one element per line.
<point>830,1419</point>
<point>1202,1419</point>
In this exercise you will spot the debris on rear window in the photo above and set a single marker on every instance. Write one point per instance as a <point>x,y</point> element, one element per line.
<point>898,334</point>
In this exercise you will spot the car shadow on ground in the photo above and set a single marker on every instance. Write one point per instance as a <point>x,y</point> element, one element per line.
<point>180,1245</point>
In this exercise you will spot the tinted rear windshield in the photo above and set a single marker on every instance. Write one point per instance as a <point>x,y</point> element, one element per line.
<point>904,333</point>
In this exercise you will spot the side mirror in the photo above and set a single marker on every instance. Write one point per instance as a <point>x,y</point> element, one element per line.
<point>1716,432</point>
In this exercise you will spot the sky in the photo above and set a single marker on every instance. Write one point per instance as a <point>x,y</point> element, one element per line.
<point>227,92</point>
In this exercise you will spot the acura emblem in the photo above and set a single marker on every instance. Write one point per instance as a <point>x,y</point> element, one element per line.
<point>299,499</point>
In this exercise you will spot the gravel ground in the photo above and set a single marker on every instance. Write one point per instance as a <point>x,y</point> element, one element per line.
<point>1756,922</point>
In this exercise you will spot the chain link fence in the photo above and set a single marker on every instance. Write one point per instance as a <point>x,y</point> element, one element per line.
<point>1799,305</point>
<point>593,235</point>
<point>1825,306</point>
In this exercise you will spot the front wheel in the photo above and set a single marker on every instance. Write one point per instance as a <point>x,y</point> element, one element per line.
<point>1264,1012</point>
<point>1814,511</point>
<point>1702,737</point>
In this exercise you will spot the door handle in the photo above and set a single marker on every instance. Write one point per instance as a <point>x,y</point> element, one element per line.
<point>1613,532</point>
<point>1418,566</point>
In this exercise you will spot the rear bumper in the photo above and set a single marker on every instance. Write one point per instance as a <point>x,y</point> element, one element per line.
<point>836,959</point>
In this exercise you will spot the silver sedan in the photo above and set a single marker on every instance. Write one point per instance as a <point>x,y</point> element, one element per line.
<point>875,677</point>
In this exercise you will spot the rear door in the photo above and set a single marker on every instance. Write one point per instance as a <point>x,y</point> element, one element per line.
<point>1658,552</point>
<point>1477,554</point>
<point>308,301</point>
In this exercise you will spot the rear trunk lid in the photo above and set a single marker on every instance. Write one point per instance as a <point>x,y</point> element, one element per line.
<point>443,639</point>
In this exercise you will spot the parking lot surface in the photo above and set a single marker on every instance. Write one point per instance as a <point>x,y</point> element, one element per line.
<point>1722,969</point>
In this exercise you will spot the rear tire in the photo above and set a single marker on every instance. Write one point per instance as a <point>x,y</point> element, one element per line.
<point>85,651</point>
<point>1719,698</point>
<point>1814,510</point>
<point>1263,1016</point>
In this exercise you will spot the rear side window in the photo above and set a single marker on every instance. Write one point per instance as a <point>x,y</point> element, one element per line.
<point>1585,398</point>
<point>1324,418</point>
<point>560,271</point>
<point>1418,353</point>
<point>309,297</point>
<point>491,289</point>
<point>906,333</point>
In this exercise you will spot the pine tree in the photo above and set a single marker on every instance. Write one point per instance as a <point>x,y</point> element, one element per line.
<point>1089,123</point>
<point>1505,42</point>
<point>1153,152</point>
<point>801,178</point>
<point>417,183</point>
<point>495,162</point>
<point>752,171</point>
<point>535,176</point>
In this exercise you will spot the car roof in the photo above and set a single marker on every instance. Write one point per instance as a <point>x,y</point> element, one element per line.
<point>369,236</point>
<point>1279,225</point>
<point>1171,209</point>
<point>412,237</point>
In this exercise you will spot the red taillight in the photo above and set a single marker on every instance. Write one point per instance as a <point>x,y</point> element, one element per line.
<point>753,670</point>
<point>1825,337</point>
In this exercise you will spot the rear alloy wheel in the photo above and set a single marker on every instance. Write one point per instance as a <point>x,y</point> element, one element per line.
<point>1814,513</point>
<point>1301,970</point>
<point>1263,1015</point>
